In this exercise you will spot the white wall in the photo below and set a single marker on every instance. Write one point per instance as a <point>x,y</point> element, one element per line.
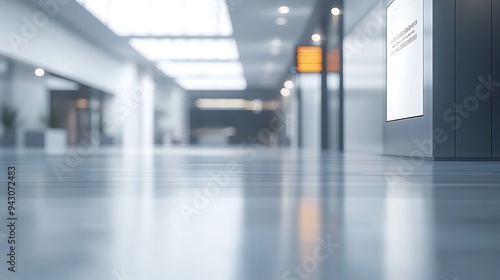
<point>23,91</point>
<point>333,83</point>
<point>50,45</point>
<point>29,94</point>
<point>364,84</point>
<point>33,36</point>
<point>291,107</point>
<point>179,117</point>
<point>133,110</point>
<point>366,128</point>
<point>172,102</point>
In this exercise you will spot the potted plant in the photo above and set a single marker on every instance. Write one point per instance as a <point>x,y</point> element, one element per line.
<point>8,117</point>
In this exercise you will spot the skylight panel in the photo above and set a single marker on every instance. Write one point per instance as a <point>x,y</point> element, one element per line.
<point>180,69</point>
<point>186,49</point>
<point>213,83</point>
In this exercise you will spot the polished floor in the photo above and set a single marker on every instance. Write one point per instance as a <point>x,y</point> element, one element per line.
<point>248,214</point>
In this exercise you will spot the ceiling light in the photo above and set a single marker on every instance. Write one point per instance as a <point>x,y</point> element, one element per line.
<point>214,103</point>
<point>288,84</point>
<point>335,11</point>
<point>284,10</point>
<point>235,104</point>
<point>39,72</point>
<point>316,37</point>
<point>186,49</point>
<point>213,83</point>
<point>180,69</point>
<point>270,105</point>
<point>163,18</point>
<point>285,92</point>
<point>281,21</point>
<point>276,43</point>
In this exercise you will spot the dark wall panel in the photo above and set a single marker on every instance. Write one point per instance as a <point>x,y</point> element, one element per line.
<point>496,77</point>
<point>444,76</point>
<point>473,60</point>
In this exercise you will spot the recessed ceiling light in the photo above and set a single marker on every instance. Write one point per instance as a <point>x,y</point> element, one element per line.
<point>221,104</point>
<point>236,82</point>
<point>186,49</point>
<point>335,11</point>
<point>285,92</point>
<point>288,84</point>
<point>316,37</point>
<point>199,18</point>
<point>284,10</point>
<point>281,21</point>
<point>256,105</point>
<point>276,43</point>
<point>39,72</point>
<point>177,69</point>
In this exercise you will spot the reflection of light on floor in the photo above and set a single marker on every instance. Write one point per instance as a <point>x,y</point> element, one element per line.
<point>151,236</point>
<point>309,221</point>
<point>309,214</point>
<point>407,243</point>
<point>117,213</point>
<point>288,210</point>
<point>146,212</point>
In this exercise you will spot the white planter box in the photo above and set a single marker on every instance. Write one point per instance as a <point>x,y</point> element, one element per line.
<point>55,140</point>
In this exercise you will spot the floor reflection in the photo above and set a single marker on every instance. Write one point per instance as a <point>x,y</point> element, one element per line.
<point>278,215</point>
<point>407,232</point>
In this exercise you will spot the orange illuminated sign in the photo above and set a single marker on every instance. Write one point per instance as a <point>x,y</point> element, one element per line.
<point>309,59</point>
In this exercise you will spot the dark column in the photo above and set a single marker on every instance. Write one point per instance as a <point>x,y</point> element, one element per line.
<point>444,75</point>
<point>496,77</point>
<point>333,29</point>
<point>473,62</point>
<point>340,5</point>
<point>325,27</point>
<point>299,114</point>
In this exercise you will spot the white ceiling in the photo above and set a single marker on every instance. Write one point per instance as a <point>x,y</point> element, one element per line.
<point>265,60</point>
<point>255,28</point>
<point>183,31</point>
<point>266,49</point>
